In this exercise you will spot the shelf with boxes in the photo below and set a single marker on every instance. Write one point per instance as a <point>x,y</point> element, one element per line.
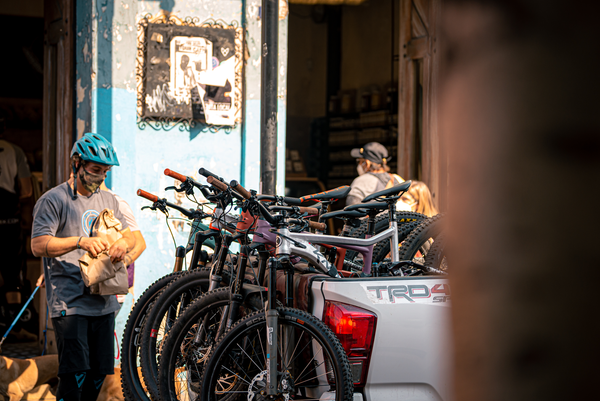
<point>353,131</point>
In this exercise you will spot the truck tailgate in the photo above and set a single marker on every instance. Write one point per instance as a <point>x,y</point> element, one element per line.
<point>411,353</point>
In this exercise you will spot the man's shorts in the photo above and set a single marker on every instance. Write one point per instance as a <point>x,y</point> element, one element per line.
<point>85,343</point>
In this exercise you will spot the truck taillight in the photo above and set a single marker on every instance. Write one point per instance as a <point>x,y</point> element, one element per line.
<point>355,328</point>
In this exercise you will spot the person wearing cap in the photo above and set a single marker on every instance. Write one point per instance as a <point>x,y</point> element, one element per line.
<point>62,220</point>
<point>373,174</point>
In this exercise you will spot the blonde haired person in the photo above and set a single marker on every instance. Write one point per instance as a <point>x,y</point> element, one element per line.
<point>373,174</point>
<point>419,198</point>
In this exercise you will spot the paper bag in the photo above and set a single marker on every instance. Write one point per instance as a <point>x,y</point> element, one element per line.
<point>99,273</point>
<point>117,285</point>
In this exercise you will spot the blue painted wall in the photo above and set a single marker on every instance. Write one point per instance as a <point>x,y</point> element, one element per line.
<point>106,45</point>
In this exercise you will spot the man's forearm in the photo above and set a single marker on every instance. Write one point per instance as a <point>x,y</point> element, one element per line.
<point>140,246</point>
<point>51,247</point>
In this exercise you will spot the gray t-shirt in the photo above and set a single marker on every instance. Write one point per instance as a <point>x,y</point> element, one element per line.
<point>58,215</point>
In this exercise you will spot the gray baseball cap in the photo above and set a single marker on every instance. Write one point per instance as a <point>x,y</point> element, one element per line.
<point>372,151</point>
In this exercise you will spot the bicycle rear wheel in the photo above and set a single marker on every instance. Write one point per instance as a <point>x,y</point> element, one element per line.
<point>311,363</point>
<point>419,243</point>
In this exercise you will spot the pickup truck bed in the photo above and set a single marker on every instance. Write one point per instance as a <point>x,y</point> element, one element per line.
<point>411,356</point>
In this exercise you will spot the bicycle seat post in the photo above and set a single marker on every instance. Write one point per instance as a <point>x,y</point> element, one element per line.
<point>394,224</point>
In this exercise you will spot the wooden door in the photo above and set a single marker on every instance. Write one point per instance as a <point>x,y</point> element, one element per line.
<point>59,42</point>
<point>418,137</point>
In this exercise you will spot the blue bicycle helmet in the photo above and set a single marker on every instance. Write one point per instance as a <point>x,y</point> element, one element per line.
<point>95,148</point>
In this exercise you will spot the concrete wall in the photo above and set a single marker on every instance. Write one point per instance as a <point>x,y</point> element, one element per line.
<point>106,103</point>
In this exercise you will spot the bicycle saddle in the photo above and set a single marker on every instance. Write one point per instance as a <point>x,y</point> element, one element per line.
<point>337,193</point>
<point>342,214</point>
<point>393,191</point>
<point>366,206</point>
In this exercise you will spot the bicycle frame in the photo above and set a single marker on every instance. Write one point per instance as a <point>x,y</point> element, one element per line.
<point>312,254</point>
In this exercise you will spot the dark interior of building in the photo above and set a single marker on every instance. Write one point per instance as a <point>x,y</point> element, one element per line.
<point>342,90</point>
<point>21,94</point>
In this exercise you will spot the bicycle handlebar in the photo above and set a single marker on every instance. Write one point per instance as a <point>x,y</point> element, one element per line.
<point>266,214</point>
<point>153,198</point>
<point>215,182</point>
<point>309,210</point>
<point>208,174</point>
<point>286,199</point>
<point>147,195</point>
<point>175,175</point>
<point>241,190</point>
<point>317,226</point>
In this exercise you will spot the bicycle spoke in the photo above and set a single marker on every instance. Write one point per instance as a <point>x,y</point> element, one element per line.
<point>262,348</point>
<point>309,362</point>
<point>249,357</point>
<point>287,366</point>
<point>313,378</point>
<point>236,375</point>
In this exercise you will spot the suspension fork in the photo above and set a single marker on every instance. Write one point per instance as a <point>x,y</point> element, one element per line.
<point>216,273</point>
<point>196,251</point>
<point>215,281</point>
<point>272,328</point>
<point>289,282</point>
<point>179,255</point>
<point>263,257</point>
<point>231,312</point>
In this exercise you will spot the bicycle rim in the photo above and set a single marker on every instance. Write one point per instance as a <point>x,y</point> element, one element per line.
<point>311,361</point>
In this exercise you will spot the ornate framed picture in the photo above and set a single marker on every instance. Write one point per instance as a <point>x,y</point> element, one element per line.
<point>188,72</point>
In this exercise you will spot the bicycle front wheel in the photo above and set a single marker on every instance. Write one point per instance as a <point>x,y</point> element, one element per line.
<point>311,361</point>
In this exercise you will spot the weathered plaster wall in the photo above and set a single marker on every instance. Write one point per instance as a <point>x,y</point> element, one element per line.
<point>106,103</point>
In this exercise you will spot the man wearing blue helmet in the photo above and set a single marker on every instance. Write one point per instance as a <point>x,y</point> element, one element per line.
<point>62,220</point>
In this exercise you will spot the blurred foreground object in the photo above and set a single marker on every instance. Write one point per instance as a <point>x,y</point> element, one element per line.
<point>520,119</point>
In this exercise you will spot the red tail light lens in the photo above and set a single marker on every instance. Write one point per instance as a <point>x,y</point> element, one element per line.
<point>355,328</point>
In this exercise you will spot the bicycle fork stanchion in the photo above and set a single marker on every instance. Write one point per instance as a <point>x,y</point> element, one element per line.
<point>179,256</point>
<point>215,281</point>
<point>236,288</point>
<point>271,319</point>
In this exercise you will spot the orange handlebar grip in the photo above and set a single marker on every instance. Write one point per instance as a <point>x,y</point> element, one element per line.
<point>147,195</point>
<point>175,175</point>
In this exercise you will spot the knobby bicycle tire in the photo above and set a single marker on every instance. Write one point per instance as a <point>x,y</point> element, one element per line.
<point>181,338</point>
<point>188,286</point>
<point>436,256</point>
<point>131,383</point>
<point>419,238</point>
<point>381,223</point>
<point>313,359</point>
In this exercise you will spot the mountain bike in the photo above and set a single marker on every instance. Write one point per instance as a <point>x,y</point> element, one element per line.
<point>189,342</point>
